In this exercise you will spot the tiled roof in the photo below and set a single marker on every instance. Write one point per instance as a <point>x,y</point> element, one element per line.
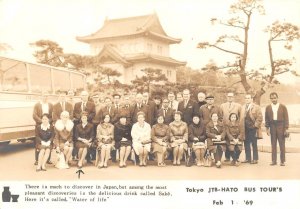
<point>130,26</point>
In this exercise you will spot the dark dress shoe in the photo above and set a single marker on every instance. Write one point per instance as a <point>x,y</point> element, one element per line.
<point>282,164</point>
<point>246,161</point>
<point>273,163</point>
<point>49,162</point>
<point>38,169</point>
<point>226,160</point>
<point>35,163</point>
<point>254,162</point>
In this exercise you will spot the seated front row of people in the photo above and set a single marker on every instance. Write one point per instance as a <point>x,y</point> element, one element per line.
<point>141,138</point>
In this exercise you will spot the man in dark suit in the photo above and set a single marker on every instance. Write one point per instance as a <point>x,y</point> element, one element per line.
<point>137,107</point>
<point>186,107</point>
<point>277,124</point>
<point>61,105</point>
<point>116,108</point>
<point>125,108</point>
<point>166,111</point>
<point>40,108</point>
<point>151,109</point>
<point>84,105</point>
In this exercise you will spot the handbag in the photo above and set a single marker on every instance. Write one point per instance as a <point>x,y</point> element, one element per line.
<point>207,159</point>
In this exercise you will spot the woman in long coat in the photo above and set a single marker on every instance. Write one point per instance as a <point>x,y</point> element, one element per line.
<point>234,133</point>
<point>44,138</point>
<point>216,143</point>
<point>160,135</point>
<point>123,139</point>
<point>105,137</point>
<point>197,138</point>
<point>84,136</point>
<point>178,137</point>
<point>141,138</point>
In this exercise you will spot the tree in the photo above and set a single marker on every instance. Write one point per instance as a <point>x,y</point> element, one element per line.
<point>151,76</point>
<point>109,72</point>
<point>280,32</point>
<point>242,8</point>
<point>49,52</point>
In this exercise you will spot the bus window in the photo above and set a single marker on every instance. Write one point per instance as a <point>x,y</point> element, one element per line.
<point>61,80</point>
<point>78,82</point>
<point>13,76</point>
<point>40,78</point>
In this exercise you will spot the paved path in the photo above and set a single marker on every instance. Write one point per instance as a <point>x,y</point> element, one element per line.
<point>16,163</point>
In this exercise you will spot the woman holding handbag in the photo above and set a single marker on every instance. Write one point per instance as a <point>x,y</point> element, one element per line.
<point>216,143</point>
<point>160,135</point>
<point>178,137</point>
<point>234,137</point>
<point>197,137</point>
<point>141,138</point>
<point>105,137</point>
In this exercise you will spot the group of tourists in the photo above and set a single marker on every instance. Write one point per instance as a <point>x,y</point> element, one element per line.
<point>173,128</point>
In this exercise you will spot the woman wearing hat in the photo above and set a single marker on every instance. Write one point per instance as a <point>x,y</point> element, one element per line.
<point>123,139</point>
<point>105,138</point>
<point>178,137</point>
<point>141,138</point>
<point>197,137</point>
<point>160,134</point>
<point>44,137</point>
<point>216,133</point>
<point>63,139</point>
<point>83,136</point>
<point>234,137</point>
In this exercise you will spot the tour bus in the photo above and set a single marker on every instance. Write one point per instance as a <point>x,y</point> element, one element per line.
<point>21,84</point>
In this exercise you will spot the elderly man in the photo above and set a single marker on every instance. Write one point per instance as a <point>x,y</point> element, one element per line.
<point>277,124</point>
<point>186,107</point>
<point>251,118</point>
<point>137,107</point>
<point>62,105</point>
<point>227,108</point>
<point>201,101</point>
<point>209,108</point>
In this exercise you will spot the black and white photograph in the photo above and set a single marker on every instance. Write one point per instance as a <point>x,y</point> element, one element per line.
<point>172,102</point>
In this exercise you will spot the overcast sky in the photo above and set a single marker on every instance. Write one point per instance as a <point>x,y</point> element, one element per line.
<point>23,22</point>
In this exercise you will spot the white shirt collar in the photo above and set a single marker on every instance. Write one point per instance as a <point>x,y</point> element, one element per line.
<point>45,127</point>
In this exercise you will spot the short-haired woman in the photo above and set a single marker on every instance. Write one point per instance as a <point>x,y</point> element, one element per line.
<point>84,135</point>
<point>197,138</point>
<point>235,137</point>
<point>105,137</point>
<point>216,143</point>
<point>44,138</point>
<point>64,136</point>
<point>178,137</point>
<point>141,138</point>
<point>160,135</point>
<point>123,139</point>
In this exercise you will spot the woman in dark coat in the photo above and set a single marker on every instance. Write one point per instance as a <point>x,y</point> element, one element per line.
<point>216,143</point>
<point>123,139</point>
<point>234,132</point>
<point>197,137</point>
<point>44,138</point>
<point>160,135</point>
<point>84,135</point>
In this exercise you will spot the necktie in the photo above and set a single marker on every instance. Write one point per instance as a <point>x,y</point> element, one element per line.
<point>165,112</point>
<point>185,103</point>
<point>171,104</point>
